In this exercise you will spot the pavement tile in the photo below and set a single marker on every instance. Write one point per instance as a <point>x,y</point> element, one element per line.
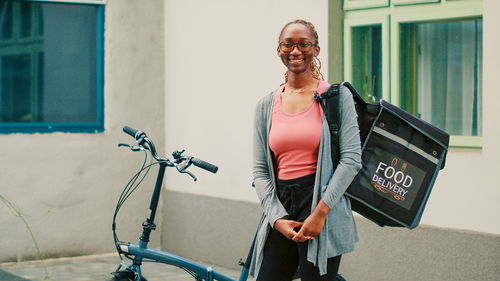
<point>93,268</point>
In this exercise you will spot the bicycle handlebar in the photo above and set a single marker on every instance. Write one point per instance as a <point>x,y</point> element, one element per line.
<point>136,134</point>
<point>204,165</point>
<point>140,135</point>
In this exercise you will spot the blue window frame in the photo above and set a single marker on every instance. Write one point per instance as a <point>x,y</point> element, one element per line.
<point>51,67</point>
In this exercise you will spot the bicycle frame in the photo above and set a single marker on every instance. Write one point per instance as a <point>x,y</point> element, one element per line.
<point>142,251</point>
<point>206,273</point>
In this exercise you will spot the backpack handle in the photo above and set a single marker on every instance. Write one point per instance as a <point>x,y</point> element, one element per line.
<point>356,96</point>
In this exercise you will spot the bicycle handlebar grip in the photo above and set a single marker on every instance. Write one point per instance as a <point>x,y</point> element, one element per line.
<point>130,131</point>
<point>205,165</point>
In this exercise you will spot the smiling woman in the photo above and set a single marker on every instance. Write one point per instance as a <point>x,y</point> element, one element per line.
<point>301,194</point>
<point>303,30</point>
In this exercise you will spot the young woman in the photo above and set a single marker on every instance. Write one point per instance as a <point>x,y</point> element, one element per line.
<point>308,221</point>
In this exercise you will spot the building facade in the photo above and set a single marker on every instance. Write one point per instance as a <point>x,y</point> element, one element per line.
<point>189,74</point>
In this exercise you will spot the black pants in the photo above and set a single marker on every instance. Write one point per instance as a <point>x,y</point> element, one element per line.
<point>282,256</point>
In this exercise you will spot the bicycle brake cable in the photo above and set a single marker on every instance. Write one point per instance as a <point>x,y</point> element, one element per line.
<point>127,191</point>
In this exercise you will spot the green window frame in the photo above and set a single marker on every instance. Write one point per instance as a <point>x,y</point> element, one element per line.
<point>392,18</point>
<point>364,4</point>
<point>413,2</point>
<point>351,23</point>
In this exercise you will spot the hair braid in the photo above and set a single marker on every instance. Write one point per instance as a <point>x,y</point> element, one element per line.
<point>316,63</point>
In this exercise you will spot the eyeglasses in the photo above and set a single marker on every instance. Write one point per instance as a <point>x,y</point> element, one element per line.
<point>303,46</point>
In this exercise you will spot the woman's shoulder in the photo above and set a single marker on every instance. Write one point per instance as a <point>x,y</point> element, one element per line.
<point>343,90</point>
<point>266,100</point>
<point>345,94</point>
<point>268,97</point>
<point>323,86</point>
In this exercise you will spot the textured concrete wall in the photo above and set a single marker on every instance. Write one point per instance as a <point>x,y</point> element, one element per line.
<point>424,253</point>
<point>78,177</point>
<point>210,229</point>
<point>220,231</point>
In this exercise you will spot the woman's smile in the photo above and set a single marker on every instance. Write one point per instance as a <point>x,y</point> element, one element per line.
<point>296,61</point>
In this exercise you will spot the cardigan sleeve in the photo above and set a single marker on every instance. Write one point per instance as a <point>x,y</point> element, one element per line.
<point>262,177</point>
<point>350,151</point>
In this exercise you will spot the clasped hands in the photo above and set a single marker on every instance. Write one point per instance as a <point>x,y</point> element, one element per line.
<point>307,230</point>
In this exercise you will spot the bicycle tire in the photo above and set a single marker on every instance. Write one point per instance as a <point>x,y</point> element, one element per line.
<point>120,279</point>
<point>340,278</point>
<point>125,275</point>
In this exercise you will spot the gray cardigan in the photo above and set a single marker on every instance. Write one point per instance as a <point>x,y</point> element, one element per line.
<point>339,232</point>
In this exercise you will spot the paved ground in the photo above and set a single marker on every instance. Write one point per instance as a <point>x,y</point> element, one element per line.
<point>92,268</point>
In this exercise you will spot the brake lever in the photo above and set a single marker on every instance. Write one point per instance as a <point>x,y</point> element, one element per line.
<point>181,167</point>
<point>133,147</point>
<point>191,175</point>
<point>137,148</point>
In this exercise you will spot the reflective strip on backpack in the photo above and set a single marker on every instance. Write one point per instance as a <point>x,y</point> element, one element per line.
<point>406,143</point>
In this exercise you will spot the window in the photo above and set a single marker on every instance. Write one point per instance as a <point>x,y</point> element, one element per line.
<point>367,61</point>
<point>441,74</point>
<point>428,55</point>
<point>51,67</point>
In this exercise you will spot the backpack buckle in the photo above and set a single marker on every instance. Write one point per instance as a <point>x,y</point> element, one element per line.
<point>334,129</point>
<point>318,97</point>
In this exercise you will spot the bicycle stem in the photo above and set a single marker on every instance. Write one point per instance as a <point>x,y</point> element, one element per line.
<point>149,225</point>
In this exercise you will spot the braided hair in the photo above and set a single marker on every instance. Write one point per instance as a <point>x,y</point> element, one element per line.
<point>316,63</point>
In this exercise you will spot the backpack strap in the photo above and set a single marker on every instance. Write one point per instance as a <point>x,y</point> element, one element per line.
<point>355,95</point>
<point>330,102</point>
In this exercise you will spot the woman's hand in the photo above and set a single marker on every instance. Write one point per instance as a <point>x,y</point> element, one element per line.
<point>287,227</point>
<point>313,225</point>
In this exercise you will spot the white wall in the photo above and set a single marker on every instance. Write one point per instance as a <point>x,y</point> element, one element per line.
<point>220,58</point>
<point>467,192</point>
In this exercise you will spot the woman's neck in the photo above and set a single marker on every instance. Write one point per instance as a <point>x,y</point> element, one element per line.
<point>300,80</point>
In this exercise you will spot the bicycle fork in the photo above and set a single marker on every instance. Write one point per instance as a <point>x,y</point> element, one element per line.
<point>148,225</point>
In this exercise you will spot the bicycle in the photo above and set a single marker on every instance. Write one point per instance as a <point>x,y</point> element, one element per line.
<point>141,253</point>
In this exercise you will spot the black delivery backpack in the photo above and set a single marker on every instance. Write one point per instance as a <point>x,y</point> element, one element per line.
<point>401,156</point>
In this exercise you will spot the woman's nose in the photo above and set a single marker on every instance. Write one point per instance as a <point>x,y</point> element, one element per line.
<point>295,49</point>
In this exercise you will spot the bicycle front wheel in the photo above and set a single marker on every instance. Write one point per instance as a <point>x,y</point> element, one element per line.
<point>124,275</point>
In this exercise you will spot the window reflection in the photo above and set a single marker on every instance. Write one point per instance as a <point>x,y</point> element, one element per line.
<point>367,61</point>
<point>48,62</point>
<point>441,74</point>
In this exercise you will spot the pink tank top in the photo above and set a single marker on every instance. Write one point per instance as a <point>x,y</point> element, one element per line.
<point>294,138</point>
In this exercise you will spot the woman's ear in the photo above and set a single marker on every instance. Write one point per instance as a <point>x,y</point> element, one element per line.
<point>316,50</point>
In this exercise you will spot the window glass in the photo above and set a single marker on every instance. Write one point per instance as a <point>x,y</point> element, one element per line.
<point>367,61</point>
<point>48,63</point>
<point>441,74</point>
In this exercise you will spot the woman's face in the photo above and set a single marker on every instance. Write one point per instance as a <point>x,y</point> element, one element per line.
<point>297,60</point>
